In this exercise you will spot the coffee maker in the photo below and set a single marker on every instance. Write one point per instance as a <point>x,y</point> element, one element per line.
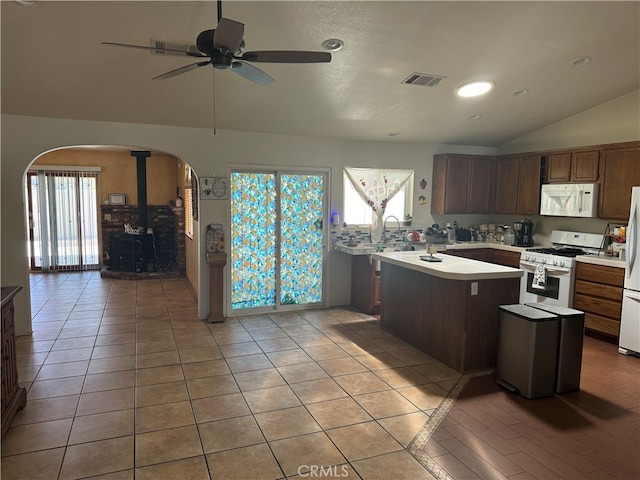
<point>523,233</point>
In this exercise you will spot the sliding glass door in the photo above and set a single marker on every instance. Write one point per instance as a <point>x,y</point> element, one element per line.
<point>277,239</point>
<point>63,220</point>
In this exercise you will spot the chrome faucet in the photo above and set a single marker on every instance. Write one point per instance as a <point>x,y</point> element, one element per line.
<point>384,228</point>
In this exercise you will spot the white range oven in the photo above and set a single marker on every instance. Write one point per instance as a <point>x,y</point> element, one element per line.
<point>549,273</point>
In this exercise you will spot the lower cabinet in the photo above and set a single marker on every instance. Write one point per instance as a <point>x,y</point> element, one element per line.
<point>598,293</point>
<point>481,254</point>
<point>365,284</point>
<point>506,258</point>
<point>489,255</point>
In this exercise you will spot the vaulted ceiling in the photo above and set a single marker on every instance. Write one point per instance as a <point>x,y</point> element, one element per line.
<point>53,65</point>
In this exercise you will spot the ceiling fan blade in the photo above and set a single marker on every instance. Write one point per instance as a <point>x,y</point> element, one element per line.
<point>228,34</point>
<point>181,70</point>
<point>251,73</point>
<point>286,56</point>
<point>156,49</point>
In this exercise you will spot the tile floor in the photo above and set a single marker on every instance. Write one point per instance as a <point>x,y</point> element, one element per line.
<point>125,382</point>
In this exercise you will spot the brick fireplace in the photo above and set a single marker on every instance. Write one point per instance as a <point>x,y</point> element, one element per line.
<point>157,255</point>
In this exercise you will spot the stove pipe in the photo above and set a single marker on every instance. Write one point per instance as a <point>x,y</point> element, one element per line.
<point>141,168</point>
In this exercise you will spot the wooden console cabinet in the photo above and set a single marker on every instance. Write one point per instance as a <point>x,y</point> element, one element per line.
<point>14,397</point>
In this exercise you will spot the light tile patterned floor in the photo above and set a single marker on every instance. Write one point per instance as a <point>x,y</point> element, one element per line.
<point>125,381</point>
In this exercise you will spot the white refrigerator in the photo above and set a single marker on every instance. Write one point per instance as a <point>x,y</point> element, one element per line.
<point>630,321</point>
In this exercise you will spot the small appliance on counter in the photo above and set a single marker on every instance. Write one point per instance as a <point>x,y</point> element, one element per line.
<point>523,231</point>
<point>509,237</point>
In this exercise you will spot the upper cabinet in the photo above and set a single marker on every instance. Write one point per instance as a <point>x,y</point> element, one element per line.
<point>518,184</point>
<point>578,167</point>
<point>461,184</point>
<point>510,184</point>
<point>620,170</point>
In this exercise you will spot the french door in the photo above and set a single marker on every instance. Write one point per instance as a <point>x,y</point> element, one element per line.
<point>277,239</point>
<point>63,220</point>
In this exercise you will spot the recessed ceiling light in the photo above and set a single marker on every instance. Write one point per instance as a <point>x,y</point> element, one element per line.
<point>521,92</point>
<point>580,61</point>
<point>473,89</point>
<point>29,3</point>
<point>333,44</point>
<point>394,134</point>
<point>474,117</point>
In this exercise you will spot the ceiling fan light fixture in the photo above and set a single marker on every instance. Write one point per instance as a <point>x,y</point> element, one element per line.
<point>333,44</point>
<point>475,88</point>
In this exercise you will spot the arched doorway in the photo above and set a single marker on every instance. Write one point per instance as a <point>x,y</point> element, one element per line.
<point>79,198</point>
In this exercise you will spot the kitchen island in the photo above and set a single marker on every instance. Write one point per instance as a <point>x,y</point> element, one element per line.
<point>448,309</point>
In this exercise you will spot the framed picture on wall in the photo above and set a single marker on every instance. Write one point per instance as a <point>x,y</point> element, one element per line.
<point>216,188</point>
<point>117,199</point>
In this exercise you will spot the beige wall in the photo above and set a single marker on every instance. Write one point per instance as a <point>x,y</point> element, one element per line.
<point>118,172</point>
<point>612,122</point>
<point>212,155</point>
<point>191,244</point>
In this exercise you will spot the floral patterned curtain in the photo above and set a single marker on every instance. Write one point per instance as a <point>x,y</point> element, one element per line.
<point>376,187</point>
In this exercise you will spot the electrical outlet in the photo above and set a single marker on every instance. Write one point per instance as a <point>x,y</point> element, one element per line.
<point>420,223</point>
<point>107,216</point>
<point>474,288</point>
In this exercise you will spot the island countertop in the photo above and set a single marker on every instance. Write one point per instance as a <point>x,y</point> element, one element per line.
<point>451,268</point>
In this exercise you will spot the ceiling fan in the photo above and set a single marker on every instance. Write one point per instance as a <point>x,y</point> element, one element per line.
<point>224,49</point>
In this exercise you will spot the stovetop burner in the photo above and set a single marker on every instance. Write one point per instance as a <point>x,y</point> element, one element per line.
<point>561,252</point>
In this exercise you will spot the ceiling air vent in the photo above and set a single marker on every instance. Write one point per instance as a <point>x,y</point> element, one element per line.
<point>181,47</point>
<point>423,79</point>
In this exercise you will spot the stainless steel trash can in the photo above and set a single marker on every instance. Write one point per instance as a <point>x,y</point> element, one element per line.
<point>527,350</point>
<point>570,341</point>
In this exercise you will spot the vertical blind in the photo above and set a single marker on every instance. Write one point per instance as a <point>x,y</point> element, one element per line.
<point>64,222</point>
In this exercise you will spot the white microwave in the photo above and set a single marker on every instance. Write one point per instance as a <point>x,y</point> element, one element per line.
<point>569,200</point>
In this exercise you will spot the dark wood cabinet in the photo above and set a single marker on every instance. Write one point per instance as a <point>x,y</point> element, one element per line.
<point>518,184</point>
<point>479,199</point>
<point>506,185</point>
<point>461,184</point>
<point>585,166</point>
<point>580,166</point>
<point>489,255</point>
<point>506,258</point>
<point>441,318</point>
<point>620,170</point>
<point>481,254</point>
<point>559,167</point>
<point>529,184</point>
<point>13,396</point>
<point>598,293</point>
<point>365,284</point>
